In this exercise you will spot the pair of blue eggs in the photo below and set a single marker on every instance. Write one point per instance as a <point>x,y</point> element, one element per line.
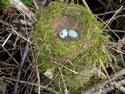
<point>68,33</point>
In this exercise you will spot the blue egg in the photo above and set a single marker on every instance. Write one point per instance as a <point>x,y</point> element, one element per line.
<point>64,33</point>
<point>72,33</point>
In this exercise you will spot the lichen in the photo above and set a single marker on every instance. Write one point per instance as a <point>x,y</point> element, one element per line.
<point>75,54</point>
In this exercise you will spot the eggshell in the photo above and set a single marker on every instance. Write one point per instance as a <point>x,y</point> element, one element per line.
<point>72,33</point>
<point>64,33</point>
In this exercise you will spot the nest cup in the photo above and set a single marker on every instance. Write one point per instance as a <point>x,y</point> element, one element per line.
<point>68,23</point>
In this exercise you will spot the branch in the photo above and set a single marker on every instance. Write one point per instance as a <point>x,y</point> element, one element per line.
<point>101,86</point>
<point>26,50</point>
<point>24,9</point>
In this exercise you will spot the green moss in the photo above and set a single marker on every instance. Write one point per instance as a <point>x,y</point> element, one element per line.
<point>27,2</point>
<point>4,3</point>
<point>83,52</point>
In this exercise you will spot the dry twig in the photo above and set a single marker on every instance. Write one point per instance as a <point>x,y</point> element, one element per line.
<point>24,9</point>
<point>30,83</point>
<point>101,86</point>
<point>26,50</point>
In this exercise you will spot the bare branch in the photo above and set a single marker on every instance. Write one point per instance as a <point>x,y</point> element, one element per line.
<point>24,9</point>
<point>101,86</point>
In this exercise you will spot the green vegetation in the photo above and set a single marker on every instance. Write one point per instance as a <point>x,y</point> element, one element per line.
<point>78,54</point>
<point>27,2</point>
<point>5,3</point>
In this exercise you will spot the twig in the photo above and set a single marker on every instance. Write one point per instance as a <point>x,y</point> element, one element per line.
<point>118,51</point>
<point>24,22</point>
<point>120,45</point>
<point>10,55</point>
<point>6,39</point>
<point>75,72</point>
<point>37,7</point>
<point>26,50</point>
<point>114,16</point>
<point>4,23</point>
<point>102,85</point>
<point>20,35</point>
<point>30,83</point>
<point>110,12</point>
<point>84,2</point>
<point>63,81</point>
<point>107,24</point>
<point>24,9</point>
<point>17,38</point>
<point>38,76</point>
<point>123,31</point>
<point>113,85</point>
<point>119,87</point>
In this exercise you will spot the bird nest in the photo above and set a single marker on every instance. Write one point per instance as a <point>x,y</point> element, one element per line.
<point>87,49</point>
<point>56,17</point>
<point>62,50</point>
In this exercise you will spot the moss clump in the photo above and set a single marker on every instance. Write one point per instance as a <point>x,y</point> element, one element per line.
<point>75,54</point>
<point>4,3</point>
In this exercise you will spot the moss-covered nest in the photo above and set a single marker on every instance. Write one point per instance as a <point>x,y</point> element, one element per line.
<point>77,54</point>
